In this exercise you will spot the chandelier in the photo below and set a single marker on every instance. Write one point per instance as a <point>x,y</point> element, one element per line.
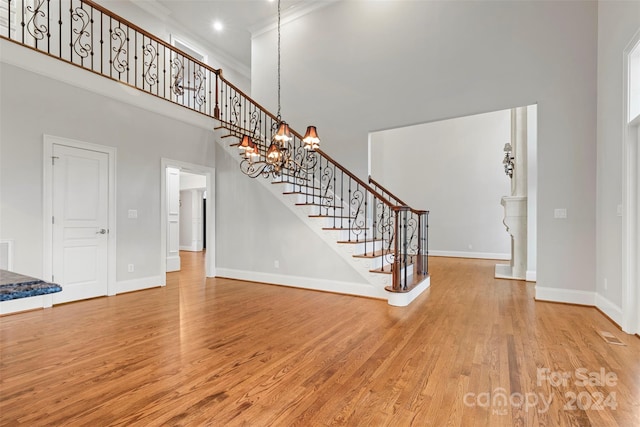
<point>280,154</point>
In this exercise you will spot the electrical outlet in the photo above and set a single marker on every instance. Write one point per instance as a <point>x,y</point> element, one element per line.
<point>560,213</point>
<point>130,268</point>
<point>619,210</point>
<point>276,264</point>
<point>606,284</point>
<point>470,246</point>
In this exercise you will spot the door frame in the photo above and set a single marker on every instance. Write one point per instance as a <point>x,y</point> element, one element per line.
<point>47,204</point>
<point>630,203</point>
<point>209,173</point>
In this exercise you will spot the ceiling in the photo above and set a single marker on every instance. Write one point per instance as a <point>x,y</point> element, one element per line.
<point>238,17</point>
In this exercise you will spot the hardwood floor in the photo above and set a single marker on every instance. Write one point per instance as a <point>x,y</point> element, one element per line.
<point>224,353</point>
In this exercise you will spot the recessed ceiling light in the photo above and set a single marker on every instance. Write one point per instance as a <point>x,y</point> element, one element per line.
<point>217,25</point>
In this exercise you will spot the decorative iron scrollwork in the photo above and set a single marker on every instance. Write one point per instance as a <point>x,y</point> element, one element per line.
<point>37,29</point>
<point>150,66</point>
<point>82,39</point>
<point>200,80</point>
<point>178,76</point>
<point>356,212</point>
<point>235,114</point>
<point>119,61</point>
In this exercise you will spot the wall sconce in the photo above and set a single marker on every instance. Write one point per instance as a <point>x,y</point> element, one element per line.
<point>508,161</point>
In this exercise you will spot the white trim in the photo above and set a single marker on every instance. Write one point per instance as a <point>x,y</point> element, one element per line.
<point>138,284</point>
<point>479,255</point>
<point>9,243</point>
<point>348,288</point>
<point>47,204</point>
<point>288,16</point>
<point>610,309</point>
<point>190,248</point>
<point>630,304</point>
<point>23,304</point>
<point>28,59</point>
<point>569,296</point>
<point>530,276</point>
<point>210,257</point>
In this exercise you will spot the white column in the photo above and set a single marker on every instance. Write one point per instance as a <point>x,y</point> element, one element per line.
<point>515,205</point>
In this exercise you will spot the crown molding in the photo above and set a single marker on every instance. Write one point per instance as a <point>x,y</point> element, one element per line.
<point>289,15</point>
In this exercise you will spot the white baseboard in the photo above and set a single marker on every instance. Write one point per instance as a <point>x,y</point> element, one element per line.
<point>191,248</point>
<point>173,264</point>
<point>569,296</point>
<point>480,255</point>
<point>610,309</point>
<point>530,276</point>
<point>138,284</point>
<point>23,304</point>
<point>349,288</point>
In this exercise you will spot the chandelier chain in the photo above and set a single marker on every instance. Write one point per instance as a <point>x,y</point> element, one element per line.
<point>279,117</point>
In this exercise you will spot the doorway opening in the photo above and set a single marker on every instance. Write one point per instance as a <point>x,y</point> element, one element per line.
<point>188,212</point>
<point>456,170</point>
<point>631,188</point>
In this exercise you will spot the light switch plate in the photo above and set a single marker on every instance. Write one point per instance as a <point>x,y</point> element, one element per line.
<point>132,214</point>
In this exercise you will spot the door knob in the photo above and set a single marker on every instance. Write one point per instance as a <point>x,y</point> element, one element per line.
<point>101,231</point>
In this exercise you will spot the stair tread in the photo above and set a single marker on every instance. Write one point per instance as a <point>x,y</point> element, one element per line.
<point>359,241</point>
<point>387,269</point>
<point>302,193</point>
<point>375,254</point>
<point>319,204</point>
<point>331,217</point>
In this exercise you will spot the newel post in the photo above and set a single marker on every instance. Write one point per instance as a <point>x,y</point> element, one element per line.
<point>423,248</point>
<point>399,249</point>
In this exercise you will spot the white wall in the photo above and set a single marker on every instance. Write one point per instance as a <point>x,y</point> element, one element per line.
<point>253,229</point>
<point>185,218</point>
<point>617,24</point>
<point>453,168</point>
<point>385,64</point>
<point>33,105</point>
<point>190,180</point>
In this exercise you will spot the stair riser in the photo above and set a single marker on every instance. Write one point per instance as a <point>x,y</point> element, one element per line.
<point>347,234</point>
<point>320,210</point>
<point>359,248</point>
<point>306,198</point>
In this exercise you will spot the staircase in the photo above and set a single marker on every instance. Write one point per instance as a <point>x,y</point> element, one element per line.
<point>378,234</point>
<point>384,239</point>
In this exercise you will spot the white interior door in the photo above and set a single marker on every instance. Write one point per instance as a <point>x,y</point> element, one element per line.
<point>80,223</point>
<point>173,219</point>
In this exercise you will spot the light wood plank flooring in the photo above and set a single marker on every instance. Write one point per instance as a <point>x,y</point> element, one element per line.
<point>220,352</point>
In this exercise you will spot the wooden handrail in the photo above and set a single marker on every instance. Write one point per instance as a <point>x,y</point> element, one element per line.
<point>355,178</point>
<point>377,184</point>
